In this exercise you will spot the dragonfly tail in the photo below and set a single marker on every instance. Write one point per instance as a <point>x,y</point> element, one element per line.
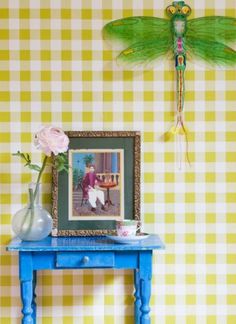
<point>179,130</point>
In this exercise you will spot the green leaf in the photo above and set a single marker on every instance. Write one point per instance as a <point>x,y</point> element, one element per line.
<point>34,167</point>
<point>28,157</point>
<point>60,158</point>
<point>18,153</point>
<point>66,167</point>
<point>63,157</point>
<point>61,162</point>
<point>60,167</point>
<point>25,157</point>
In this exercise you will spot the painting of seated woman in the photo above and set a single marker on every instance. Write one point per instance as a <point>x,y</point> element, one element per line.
<point>96,184</point>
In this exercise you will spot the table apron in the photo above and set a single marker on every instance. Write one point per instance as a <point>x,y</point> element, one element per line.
<point>46,260</point>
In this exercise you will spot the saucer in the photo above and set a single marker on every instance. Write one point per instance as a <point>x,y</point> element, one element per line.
<point>128,239</point>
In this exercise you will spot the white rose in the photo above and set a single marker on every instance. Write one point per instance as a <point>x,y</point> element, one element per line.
<point>51,140</point>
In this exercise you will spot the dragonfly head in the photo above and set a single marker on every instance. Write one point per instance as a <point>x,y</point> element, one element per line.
<point>178,8</point>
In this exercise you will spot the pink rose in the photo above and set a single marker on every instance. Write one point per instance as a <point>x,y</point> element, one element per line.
<point>51,140</point>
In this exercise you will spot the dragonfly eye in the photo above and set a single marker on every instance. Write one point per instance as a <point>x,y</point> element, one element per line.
<point>186,10</point>
<point>171,10</point>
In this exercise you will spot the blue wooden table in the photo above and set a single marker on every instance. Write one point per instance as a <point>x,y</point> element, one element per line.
<point>85,253</point>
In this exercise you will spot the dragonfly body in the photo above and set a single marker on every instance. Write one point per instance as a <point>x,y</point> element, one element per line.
<point>179,25</point>
<point>148,38</point>
<point>180,65</point>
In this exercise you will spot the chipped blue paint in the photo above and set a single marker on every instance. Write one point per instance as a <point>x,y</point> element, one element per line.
<point>85,253</point>
<point>83,244</point>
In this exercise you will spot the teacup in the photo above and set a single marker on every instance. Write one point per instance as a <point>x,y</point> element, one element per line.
<point>127,227</point>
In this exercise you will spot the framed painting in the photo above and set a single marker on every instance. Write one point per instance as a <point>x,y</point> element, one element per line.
<point>101,186</point>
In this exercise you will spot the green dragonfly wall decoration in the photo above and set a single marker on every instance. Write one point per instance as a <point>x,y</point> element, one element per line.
<point>145,39</point>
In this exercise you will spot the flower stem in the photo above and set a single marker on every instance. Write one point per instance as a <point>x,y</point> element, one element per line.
<point>39,176</point>
<point>25,226</point>
<point>32,196</point>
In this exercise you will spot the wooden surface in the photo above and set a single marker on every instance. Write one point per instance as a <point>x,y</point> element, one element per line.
<point>56,253</point>
<point>78,243</point>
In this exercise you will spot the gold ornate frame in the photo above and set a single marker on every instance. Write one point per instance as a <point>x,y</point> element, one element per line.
<point>136,181</point>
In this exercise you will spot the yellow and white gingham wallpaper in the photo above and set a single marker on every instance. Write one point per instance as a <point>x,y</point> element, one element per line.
<point>55,68</point>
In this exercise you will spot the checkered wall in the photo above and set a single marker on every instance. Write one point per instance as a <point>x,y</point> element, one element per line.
<point>55,68</point>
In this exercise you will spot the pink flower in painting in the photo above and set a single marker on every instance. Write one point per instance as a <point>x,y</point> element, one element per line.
<point>51,140</point>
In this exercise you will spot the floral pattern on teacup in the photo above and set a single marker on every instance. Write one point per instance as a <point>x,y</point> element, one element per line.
<point>124,230</point>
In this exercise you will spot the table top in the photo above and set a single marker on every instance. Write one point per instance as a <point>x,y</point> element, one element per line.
<point>107,184</point>
<point>89,243</point>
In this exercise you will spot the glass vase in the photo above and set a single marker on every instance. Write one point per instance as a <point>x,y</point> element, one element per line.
<point>33,222</point>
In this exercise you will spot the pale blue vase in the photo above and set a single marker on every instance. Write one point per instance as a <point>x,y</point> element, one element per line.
<point>33,222</point>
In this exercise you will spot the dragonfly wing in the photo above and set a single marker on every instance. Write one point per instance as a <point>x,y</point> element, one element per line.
<point>214,28</point>
<point>145,52</point>
<point>211,51</point>
<point>135,29</point>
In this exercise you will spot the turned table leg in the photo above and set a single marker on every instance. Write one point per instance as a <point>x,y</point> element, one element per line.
<point>33,305</point>
<point>26,280</point>
<point>145,265</point>
<point>137,303</point>
<point>26,297</point>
